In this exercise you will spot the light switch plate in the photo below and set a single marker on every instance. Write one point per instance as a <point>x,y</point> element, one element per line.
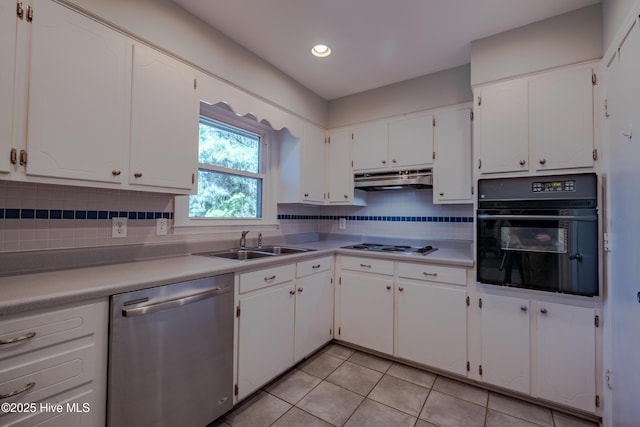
<point>119,227</point>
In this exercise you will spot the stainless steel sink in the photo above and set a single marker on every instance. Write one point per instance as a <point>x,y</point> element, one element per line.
<point>281,250</point>
<point>255,253</point>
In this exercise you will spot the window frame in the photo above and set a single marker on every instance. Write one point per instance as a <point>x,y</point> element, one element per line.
<point>220,113</point>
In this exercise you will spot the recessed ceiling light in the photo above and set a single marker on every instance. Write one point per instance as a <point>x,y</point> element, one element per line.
<point>321,50</point>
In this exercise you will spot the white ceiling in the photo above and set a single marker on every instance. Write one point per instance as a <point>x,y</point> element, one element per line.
<point>374,42</point>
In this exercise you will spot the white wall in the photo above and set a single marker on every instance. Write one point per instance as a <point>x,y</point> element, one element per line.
<point>565,39</point>
<point>614,13</point>
<point>440,89</point>
<point>169,27</point>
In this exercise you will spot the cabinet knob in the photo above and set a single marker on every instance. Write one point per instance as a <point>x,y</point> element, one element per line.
<point>393,160</point>
<point>523,162</point>
<point>442,194</point>
<point>523,307</point>
<point>292,292</point>
<point>543,310</point>
<point>346,196</point>
<point>384,162</point>
<point>388,287</point>
<point>401,289</point>
<point>300,289</point>
<point>306,194</point>
<point>543,161</point>
<point>138,174</point>
<point>116,172</point>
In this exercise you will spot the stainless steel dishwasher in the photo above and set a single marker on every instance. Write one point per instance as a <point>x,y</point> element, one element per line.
<point>171,354</point>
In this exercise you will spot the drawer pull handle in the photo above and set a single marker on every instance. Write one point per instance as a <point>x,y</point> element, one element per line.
<point>26,336</point>
<point>430,274</point>
<point>315,267</point>
<point>269,278</point>
<point>365,265</point>
<point>169,304</point>
<point>17,392</point>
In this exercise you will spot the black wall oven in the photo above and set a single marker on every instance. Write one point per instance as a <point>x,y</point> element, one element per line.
<point>539,233</point>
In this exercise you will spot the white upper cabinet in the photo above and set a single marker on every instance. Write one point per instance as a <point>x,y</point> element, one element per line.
<point>8,28</point>
<point>502,127</point>
<point>537,123</point>
<point>339,179</point>
<point>411,141</point>
<point>405,142</point>
<point>313,164</point>
<point>452,164</point>
<point>164,122</point>
<point>562,119</point>
<point>370,146</point>
<point>78,103</point>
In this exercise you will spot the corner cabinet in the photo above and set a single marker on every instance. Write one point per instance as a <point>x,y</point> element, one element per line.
<point>538,123</point>
<point>452,157</point>
<point>164,121</point>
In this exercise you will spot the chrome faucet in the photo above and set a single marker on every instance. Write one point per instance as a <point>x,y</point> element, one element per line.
<point>259,240</point>
<point>243,239</point>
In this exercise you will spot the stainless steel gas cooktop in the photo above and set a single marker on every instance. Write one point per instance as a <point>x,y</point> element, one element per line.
<point>398,249</point>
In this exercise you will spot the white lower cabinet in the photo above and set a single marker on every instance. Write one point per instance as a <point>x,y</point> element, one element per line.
<point>285,313</point>
<point>431,325</point>
<point>546,350</point>
<point>58,360</point>
<point>506,342</point>
<point>565,355</point>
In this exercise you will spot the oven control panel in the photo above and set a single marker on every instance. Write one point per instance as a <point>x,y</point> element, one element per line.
<point>553,186</point>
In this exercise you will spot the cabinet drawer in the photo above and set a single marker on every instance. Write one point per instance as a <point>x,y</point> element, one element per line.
<point>369,265</point>
<point>28,333</point>
<point>269,276</point>
<point>304,268</point>
<point>48,372</point>
<point>433,273</point>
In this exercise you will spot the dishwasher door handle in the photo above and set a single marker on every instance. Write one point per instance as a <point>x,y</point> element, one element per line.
<point>166,305</point>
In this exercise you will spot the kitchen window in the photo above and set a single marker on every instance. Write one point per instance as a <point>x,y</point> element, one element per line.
<point>233,187</point>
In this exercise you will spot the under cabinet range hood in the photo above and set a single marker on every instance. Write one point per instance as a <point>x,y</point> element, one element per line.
<point>397,180</point>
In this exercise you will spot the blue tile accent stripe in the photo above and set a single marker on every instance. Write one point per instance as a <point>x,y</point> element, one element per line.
<point>379,218</point>
<point>79,214</point>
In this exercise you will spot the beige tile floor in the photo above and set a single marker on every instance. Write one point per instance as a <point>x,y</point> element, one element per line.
<point>342,387</point>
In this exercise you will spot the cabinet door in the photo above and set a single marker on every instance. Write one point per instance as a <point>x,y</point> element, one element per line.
<point>503,127</point>
<point>164,122</point>
<point>366,311</point>
<point>432,325</point>
<point>8,29</point>
<point>313,164</point>
<point>562,119</point>
<point>411,141</point>
<point>78,107</point>
<point>340,178</point>
<point>314,313</point>
<point>370,144</point>
<point>265,337</point>
<point>565,355</point>
<point>506,342</point>
<point>452,169</point>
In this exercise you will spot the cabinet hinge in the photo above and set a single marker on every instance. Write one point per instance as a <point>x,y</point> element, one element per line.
<point>479,101</point>
<point>332,280</point>
<point>352,136</point>
<point>328,140</point>
<point>472,190</point>
<point>480,370</point>
<point>235,389</point>
<point>330,331</point>
<point>238,311</point>
<point>433,122</point>
<point>597,401</point>
<point>479,163</point>
<point>20,10</point>
<point>595,154</point>
<point>468,366</point>
<point>434,155</point>
<point>329,195</point>
<point>340,280</point>
<point>606,109</point>
<point>471,115</point>
<point>480,302</point>
<point>13,156</point>
<point>193,178</point>
<point>351,163</point>
<point>468,301</point>
<point>594,79</point>
<point>29,13</point>
<point>596,321</point>
<point>23,157</point>
<point>339,331</point>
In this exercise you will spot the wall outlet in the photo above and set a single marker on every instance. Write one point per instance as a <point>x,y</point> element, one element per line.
<point>161,226</point>
<point>342,224</point>
<point>119,228</point>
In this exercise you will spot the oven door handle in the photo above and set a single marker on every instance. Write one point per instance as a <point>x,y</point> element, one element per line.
<point>540,217</point>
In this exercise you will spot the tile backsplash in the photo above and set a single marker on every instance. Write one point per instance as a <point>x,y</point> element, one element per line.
<point>41,216</point>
